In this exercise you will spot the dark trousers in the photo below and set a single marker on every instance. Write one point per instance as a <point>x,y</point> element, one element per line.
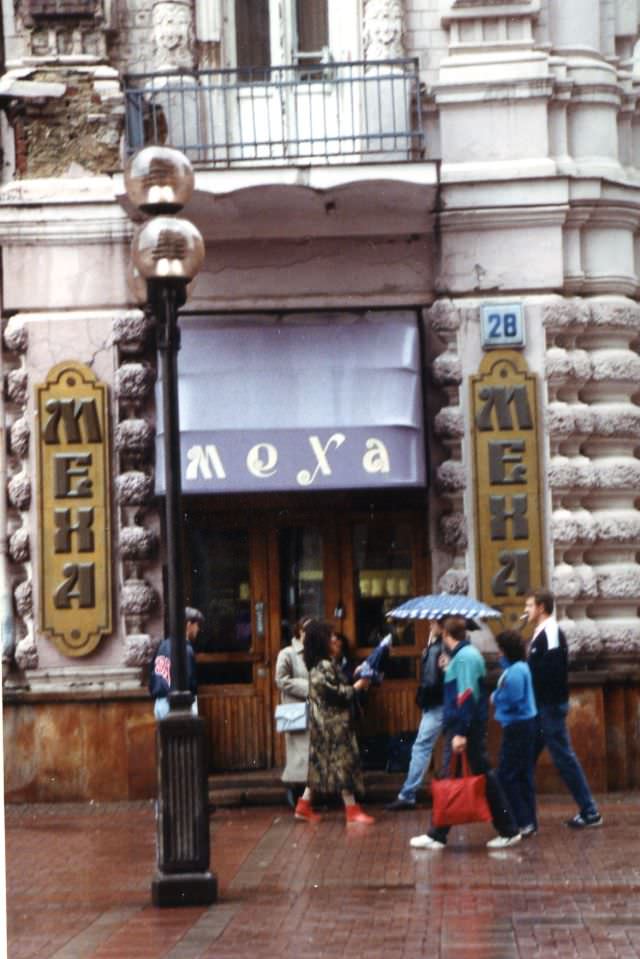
<point>501,814</point>
<point>552,732</point>
<point>515,770</point>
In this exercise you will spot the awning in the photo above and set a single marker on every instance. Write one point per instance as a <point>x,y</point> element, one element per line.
<point>295,402</point>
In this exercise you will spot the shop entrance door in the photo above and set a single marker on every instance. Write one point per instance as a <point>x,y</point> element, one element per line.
<point>255,575</point>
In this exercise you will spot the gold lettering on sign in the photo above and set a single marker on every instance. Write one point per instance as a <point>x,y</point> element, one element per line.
<point>507,481</point>
<point>74,509</point>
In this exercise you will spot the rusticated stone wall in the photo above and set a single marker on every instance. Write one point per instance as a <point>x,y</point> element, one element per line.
<point>593,425</point>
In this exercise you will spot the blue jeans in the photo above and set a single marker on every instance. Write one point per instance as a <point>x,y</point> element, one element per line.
<point>552,732</point>
<point>515,770</point>
<point>428,731</point>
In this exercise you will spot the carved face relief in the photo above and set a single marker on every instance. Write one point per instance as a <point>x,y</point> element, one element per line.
<point>172,35</point>
<point>383,27</point>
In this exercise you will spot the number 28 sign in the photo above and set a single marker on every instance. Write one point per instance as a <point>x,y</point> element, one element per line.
<point>501,325</point>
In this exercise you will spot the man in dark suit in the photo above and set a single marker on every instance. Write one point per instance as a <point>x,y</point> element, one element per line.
<point>549,663</point>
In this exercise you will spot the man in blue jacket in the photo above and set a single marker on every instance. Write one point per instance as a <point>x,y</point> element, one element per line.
<point>160,679</point>
<point>465,720</point>
<point>429,699</point>
<point>549,664</point>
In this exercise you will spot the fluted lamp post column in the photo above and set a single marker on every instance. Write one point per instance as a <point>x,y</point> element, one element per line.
<point>167,252</point>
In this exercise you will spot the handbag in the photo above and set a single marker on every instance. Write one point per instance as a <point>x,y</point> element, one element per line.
<point>292,717</point>
<point>460,800</point>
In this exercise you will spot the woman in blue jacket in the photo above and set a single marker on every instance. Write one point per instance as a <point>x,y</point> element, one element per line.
<point>515,710</point>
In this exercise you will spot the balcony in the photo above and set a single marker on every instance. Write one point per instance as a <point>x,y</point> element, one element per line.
<point>324,113</point>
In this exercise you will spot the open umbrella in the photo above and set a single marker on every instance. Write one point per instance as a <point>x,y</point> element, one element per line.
<point>374,665</point>
<point>438,605</point>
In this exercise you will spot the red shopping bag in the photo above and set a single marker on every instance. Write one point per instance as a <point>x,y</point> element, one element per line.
<point>461,800</point>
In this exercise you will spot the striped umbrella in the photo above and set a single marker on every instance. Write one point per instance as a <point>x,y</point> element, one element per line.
<point>438,605</point>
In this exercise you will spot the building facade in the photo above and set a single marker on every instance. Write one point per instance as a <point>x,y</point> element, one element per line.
<point>410,363</point>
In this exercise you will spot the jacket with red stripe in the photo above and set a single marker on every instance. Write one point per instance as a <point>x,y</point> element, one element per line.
<point>465,694</point>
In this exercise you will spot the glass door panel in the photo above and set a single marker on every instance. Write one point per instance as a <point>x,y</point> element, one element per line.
<point>220,588</point>
<point>302,589</point>
<point>383,569</point>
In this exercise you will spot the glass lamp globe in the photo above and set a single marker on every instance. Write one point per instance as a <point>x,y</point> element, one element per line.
<point>168,248</point>
<point>159,180</point>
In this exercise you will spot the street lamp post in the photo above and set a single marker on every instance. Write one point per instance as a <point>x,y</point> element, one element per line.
<point>167,252</point>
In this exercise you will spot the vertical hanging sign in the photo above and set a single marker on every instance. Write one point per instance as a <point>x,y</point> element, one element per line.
<point>507,487</point>
<point>74,509</point>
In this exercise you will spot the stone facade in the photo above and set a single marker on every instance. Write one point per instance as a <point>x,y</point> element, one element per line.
<point>530,108</point>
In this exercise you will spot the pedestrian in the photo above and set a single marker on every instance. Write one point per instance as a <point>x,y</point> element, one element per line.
<point>292,679</point>
<point>334,760</point>
<point>160,679</point>
<point>515,710</point>
<point>429,698</point>
<point>549,663</point>
<point>465,720</point>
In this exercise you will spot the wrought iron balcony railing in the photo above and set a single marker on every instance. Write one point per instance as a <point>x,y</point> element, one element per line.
<point>316,113</point>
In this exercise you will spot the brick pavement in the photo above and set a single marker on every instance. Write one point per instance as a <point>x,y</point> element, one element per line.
<point>78,879</point>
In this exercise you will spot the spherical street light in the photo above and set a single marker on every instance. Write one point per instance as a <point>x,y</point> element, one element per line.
<point>159,179</point>
<point>168,247</point>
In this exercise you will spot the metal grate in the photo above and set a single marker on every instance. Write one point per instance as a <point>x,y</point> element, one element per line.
<point>323,113</point>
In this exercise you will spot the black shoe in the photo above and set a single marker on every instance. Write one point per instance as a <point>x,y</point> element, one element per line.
<point>582,822</point>
<point>399,804</point>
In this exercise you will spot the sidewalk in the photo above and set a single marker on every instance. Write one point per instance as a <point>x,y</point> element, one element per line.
<point>78,886</point>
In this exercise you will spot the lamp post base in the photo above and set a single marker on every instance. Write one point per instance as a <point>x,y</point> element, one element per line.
<point>184,889</point>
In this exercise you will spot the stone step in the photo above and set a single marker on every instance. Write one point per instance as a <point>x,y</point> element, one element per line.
<point>264,788</point>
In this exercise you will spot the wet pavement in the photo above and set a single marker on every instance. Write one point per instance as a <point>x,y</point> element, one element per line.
<point>78,886</point>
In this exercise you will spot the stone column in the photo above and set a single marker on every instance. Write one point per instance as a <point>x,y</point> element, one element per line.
<point>387,95</point>
<point>175,96</point>
<point>575,23</point>
<point>383,30</point>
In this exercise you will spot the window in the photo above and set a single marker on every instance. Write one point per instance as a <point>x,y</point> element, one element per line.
<point>303,37</point>
<point>253,37</point>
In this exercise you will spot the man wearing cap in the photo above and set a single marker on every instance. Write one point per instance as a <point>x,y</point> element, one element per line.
<point>160,680</point>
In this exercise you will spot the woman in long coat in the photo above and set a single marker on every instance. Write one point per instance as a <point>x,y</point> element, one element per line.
<point>292,679</point>
<point>334,760</point>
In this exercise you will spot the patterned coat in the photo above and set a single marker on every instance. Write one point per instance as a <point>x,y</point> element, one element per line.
<point>292,679</point>
<point>334,760</point>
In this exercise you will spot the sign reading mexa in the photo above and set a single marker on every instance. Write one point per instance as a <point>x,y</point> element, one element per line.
<point>508,507</point>
<point>75,526</point>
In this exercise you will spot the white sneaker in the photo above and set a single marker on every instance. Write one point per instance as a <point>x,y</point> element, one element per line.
<point>426,842</point>
<point>499,842</point>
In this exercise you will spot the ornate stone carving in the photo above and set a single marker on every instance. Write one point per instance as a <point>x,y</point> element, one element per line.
<point>453,528</point>
<point>617,365</point>
<point>134,488</point>
<point>564,527</point>
<point>383,29</point>
<point>19,437</point>
<point>620,473</point>
<point>449,422</point>
<point>447,369</point>
<point>566,582</point>
<point>19,490</point>
<point>454,581</point>
<point>134,381</point>
<point>132,330</point>
<point>26,655</point>
<point>134,436</point>
<point>16,336</point>
<point>618,314</point>
<point>19,546</point>
<point>137,543</point>
<point>617,526</point>
<point>138,598</point>
<point>566,315</point>
<point>619,581</point>
<point>17,386</point>
<point>23,595</point>
<point>139,649</point>
<point>616,419</point>
<point>172,31</point>
<point>444,317</point>
<point>451,476</point>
